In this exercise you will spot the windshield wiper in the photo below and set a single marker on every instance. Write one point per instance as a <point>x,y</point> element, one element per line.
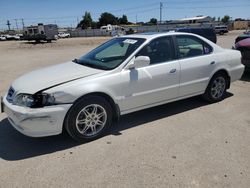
<point>90,65</point>
<point>87,64</point>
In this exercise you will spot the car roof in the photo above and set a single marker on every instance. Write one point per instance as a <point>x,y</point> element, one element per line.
<point>151,35</point>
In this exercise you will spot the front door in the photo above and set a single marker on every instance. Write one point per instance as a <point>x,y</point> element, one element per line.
<point>155,83</point>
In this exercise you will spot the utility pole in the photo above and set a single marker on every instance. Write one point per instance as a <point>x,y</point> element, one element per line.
<point>8,24</point>
<point>16,24</point>
<point>136,19</point>
<point>161,6</point>
<point>23,23</point>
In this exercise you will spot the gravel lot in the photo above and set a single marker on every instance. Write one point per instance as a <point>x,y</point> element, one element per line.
<point>182,144</point>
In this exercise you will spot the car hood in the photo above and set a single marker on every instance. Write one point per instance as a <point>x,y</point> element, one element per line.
<point>52,76</point>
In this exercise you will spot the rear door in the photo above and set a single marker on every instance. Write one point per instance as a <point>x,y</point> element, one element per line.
<point>197,62</point>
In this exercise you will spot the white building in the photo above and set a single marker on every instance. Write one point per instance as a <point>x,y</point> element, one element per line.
<point>193,20</point>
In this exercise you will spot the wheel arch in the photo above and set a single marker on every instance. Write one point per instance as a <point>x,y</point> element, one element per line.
<point>114,106</point>
<point>223,71</point>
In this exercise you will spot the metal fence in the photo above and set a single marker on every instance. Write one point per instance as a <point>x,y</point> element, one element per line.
<point>137,29</point>
<point>88,33</point>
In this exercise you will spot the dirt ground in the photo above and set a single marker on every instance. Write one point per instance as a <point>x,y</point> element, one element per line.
<point>182,144</point>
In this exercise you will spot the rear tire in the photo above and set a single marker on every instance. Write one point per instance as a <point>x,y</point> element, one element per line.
<point>88,119</point>
<point>216,88</point>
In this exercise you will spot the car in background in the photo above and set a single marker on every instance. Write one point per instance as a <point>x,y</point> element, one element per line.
<point>242,37</point>
<point>20,35</point>
<point>247,32</point>
<point>12,37</point>
<point>123,75</point>
<point>40,32</point>
<point>207,33</point>
<point>221,29</point>
<point>16,37</point>
<point>2,38</point>
<point>63,35</point>
<point>244,47</point>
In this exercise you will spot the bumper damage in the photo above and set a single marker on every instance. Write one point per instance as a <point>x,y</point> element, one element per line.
<point>36,122</point>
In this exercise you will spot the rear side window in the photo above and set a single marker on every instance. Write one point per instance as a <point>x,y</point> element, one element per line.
<point>159,50</point>
<point>190,46</point>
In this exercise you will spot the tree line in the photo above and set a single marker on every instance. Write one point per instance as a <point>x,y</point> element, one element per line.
<point>108,18</point>
<point>105,19</point>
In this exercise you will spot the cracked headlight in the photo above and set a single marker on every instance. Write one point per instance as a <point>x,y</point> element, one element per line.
<point>34,101</point>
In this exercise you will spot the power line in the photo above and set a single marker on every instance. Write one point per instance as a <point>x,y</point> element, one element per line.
<point>135,11</point>
<point>208,7</point>
<point>197,1</point>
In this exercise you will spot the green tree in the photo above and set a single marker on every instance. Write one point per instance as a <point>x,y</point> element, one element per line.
<point>123,20</point>
<point>95,25</point>
<point>218,19</point>
<point>225,19</point>
<point>107,18</point>
<point>153,21</point>
<point>86,22</point>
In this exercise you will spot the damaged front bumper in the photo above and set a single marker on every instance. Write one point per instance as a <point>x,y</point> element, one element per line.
<point>36,122</point>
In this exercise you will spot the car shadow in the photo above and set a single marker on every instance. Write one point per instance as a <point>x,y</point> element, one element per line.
<point>246,76</point>
<point>15,146</point>
<point>36,42</point>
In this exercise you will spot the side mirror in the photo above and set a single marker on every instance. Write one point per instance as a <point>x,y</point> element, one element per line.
<point>140,61</point>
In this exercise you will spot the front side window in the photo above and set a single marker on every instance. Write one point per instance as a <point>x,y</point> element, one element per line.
<point>189,46</point>
<point>159,50</point>
<point>111,54</point>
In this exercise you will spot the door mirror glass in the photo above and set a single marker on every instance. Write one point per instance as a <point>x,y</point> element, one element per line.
<point>140,61</point>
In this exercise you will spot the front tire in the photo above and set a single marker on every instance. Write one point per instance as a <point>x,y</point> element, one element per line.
<point>88,119</point>
<point>216,88</point>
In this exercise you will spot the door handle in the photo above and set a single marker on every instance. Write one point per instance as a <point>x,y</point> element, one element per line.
<point>172,71</point>
<point>212,63</point>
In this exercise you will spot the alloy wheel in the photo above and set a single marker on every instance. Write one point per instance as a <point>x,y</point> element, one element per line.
<point>218,87</point>
<point>91,120</point>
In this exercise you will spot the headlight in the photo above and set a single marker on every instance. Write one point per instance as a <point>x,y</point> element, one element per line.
<point>24,100</point>
<point>34,101</point>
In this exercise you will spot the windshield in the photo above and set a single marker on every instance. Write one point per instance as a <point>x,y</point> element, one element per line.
<point>110,54</point>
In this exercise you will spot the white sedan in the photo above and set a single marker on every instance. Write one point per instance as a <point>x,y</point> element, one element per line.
<point>63,35</point>
<point>2,37</point>
<point>123,75</point>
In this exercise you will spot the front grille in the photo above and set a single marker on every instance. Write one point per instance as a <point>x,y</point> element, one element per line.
<point>10,95</point>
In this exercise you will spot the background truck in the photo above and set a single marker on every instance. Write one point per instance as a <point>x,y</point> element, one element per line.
<point>221,29</point>
<point>41,32</point>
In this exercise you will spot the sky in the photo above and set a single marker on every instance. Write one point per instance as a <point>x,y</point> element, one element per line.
<point>67,13</point>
